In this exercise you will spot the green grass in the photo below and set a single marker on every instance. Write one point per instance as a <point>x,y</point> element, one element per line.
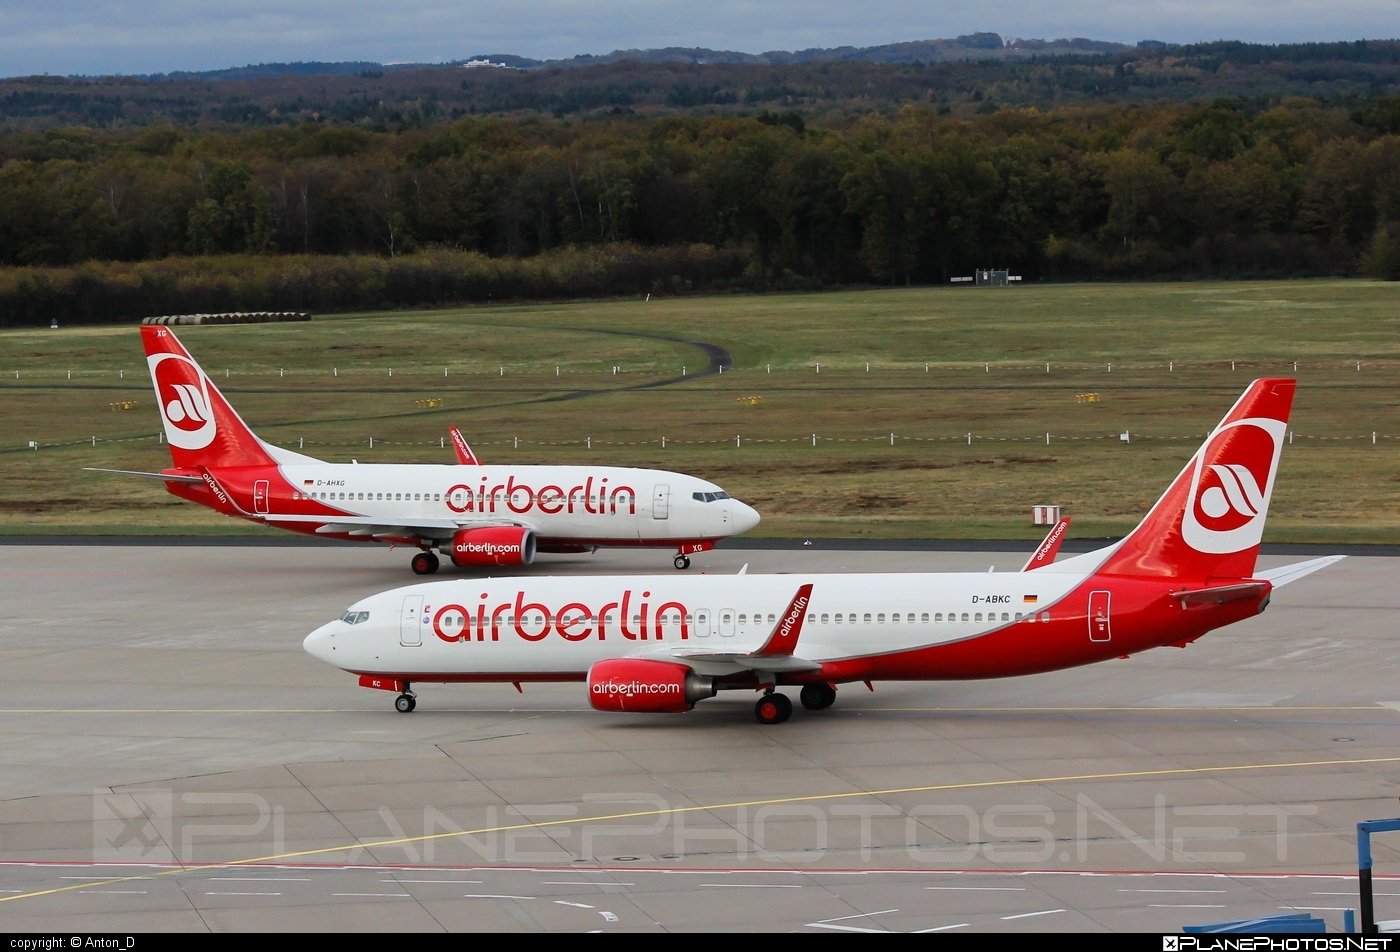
<point>943,362</point>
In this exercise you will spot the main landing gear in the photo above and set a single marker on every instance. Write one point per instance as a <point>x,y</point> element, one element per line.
<point>681,562</point>
<point>773,708</point>
<point>817,697</point>
<point>424,563</point>
<point>406,701</point>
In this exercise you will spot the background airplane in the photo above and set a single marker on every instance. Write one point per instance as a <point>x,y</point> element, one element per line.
<point>662,643</point>
<point>476,515</point>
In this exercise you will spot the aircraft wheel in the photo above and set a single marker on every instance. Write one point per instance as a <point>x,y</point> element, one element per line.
<point>681,562</point>
<point>773,708</point>
<point>424,563</point>
<point>405,703</point>
<point>818,697</point>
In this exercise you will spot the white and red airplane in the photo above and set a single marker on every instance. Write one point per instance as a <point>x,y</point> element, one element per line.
<point>662,643</point>
<point>475,514</point>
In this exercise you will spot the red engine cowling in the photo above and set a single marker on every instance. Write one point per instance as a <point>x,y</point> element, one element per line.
<point>638,686</point>
<point>493,545</point>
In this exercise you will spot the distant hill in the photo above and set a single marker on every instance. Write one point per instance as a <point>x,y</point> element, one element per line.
<point>974,45</point>
<point>979,45</point>
<point>976,73</point>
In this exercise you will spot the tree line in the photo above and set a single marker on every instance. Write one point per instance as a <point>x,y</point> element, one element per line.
<point>1228,188</point>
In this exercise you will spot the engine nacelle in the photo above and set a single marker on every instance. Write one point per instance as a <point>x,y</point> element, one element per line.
<point>492,545</point>
<point>639,686</point>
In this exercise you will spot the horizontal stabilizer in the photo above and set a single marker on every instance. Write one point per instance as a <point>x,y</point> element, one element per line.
<point>163,477</point>
<point>1220,594</point>
<point>1291,573</point>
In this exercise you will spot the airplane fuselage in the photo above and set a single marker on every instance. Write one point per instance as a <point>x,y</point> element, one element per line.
<point>570,505</point>
<point>857,627</point>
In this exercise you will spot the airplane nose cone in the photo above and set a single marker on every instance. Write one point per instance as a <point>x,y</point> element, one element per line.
<point>319,643</point>
<point>745,518</point>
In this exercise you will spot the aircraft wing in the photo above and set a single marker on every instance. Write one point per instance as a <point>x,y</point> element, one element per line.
<point>1291,573</point>
<point>370,526</point>
<point>743,660</point>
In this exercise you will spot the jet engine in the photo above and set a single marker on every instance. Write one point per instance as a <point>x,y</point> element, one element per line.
<point>492,545</point>
<point>639,686</point>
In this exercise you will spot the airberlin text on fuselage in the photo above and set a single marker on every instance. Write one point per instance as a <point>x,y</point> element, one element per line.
<point>520,498</point>
<point>534,621</point>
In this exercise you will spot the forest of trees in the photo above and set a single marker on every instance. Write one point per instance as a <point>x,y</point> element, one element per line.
<point>1229,188</point>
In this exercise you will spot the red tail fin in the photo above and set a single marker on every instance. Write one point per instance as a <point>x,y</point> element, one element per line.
<point>1209,523</point>
<point>201,427</point>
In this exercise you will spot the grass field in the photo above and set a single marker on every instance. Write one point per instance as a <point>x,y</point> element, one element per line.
<point>943,363</point>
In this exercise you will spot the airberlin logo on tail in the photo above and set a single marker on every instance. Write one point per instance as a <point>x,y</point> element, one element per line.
<point>183,394</point>
<point>1231,486</point>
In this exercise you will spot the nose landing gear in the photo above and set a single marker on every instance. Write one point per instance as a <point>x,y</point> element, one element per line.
<point>406,701</point>
<point>681,562</point>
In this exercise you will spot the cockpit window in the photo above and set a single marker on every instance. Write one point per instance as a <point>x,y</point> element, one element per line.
<point>709,497</point>
<point>354,618</point>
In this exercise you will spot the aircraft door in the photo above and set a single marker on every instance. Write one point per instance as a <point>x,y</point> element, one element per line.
<point>661,501</point>
<point>411,622</point>
<point>260,496</point>
<point>1098,617</point>
<point>726,622</point>
<point>702,623</point>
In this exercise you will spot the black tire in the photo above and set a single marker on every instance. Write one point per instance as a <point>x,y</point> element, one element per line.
<point>404,703</point>
<point>424,563</point>
<point>681,562</point>
<point>817,697</point>
<point>773,708</point>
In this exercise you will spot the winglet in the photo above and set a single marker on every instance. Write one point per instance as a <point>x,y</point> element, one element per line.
<point>465,456</point>
<point>1046,553</point>
<point>783,640</point>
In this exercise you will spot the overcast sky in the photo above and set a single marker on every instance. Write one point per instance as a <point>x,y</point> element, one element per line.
<point>146,36</point>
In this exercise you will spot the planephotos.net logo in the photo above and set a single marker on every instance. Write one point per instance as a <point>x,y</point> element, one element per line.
<point>1265,943</point>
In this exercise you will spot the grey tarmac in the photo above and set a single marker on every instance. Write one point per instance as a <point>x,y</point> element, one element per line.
<point>171,759</point>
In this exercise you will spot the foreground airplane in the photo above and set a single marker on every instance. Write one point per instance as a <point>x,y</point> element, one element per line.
<point>476,515</point>
<point>662,643</point>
